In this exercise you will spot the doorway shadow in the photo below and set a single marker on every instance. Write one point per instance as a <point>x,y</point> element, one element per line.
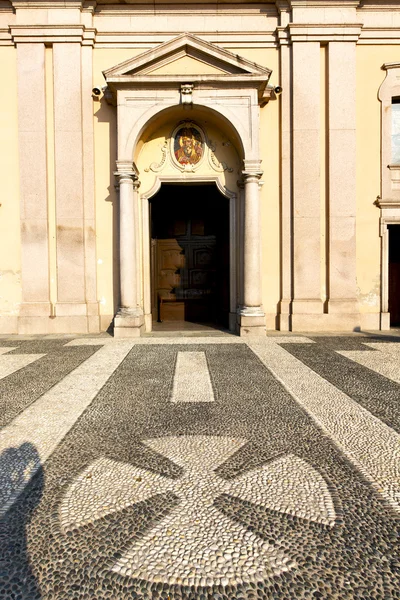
<point>21,488</point>
<point>190,259</point>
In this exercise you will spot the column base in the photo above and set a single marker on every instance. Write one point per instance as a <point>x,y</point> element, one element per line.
<point>128,323</point>
<point>251,322</point>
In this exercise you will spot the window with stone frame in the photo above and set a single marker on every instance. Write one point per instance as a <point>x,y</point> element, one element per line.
<point>395,131</point>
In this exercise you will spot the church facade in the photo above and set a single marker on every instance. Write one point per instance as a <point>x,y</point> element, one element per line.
<point>228,163</point>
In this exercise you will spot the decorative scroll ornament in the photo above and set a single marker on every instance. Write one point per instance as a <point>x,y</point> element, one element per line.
<point>156,167</point>
<point>187,146</point>
<point>214,163</point>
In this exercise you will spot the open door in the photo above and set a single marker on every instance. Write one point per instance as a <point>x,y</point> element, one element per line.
<point>190,253</point>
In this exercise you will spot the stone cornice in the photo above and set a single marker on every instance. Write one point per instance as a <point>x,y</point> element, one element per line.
<point>47,4</point>
<point>346,32</point>
<point>391,65</point>
<point>179,8</point>
<point>82,5</point>
<point>377,6</point>
<point>387,203</point>
<point>325,3</point>
<point>53,33</point>
<point>6,7</point>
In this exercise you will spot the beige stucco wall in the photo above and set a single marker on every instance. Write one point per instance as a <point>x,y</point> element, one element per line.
<point>10,266</point>
<point>369,78</point>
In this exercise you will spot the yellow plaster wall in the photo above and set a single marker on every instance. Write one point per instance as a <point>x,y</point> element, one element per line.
<point>369,78</point>
<point>10,258</point>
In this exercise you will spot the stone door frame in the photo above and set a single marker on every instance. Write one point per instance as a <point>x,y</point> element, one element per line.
<point>234,234</point>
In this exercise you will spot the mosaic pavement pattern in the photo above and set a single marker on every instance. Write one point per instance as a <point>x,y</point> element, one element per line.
<point>200,468</point>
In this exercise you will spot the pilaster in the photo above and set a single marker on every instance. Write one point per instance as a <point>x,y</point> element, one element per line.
<point>69,172</point>
<point>306,183</point>
<point>33,180</point>
<point>342,179</point>
<point>285,304</point>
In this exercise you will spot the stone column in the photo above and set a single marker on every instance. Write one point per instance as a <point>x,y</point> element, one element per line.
<point>251,314</point>
<point>129,321</point>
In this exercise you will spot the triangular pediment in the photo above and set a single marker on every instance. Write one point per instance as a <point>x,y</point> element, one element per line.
<point>186,55</point>
<point>186,65</point>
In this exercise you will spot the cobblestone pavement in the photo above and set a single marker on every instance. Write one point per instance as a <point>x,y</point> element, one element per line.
<point>200,468</point>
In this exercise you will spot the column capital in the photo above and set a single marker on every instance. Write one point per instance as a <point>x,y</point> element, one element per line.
<point>251,176</point>
<point>126,172</point>
<point>252,170</point>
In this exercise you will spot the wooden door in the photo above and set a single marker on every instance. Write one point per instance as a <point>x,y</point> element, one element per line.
<point>190,241</point>
<point>186,275</point>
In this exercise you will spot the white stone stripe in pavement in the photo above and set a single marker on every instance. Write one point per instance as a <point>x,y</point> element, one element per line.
<point>7,349</point>
<point>192,381</point>
<point>46,422</point>
<point>370,445</point>
<point>149,341</point>
<point>15,362</point>
<point>188,340</point>
<point>384,361</point>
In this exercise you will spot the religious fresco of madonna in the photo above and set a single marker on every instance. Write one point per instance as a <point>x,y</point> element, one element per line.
<point>188,146</point>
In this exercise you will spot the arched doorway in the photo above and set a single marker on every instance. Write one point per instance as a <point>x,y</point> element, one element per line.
<point>190,256</point>
<point>225,99</point>
<point>178,193</point>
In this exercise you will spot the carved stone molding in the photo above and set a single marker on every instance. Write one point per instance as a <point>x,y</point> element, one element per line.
<point>186,93</point>
<point>215,164</point>
<point>53,33</point>
<point>156,167</point>
<point>390,173</point>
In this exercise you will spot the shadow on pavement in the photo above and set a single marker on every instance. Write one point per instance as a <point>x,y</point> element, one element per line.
<point>18,499</point>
